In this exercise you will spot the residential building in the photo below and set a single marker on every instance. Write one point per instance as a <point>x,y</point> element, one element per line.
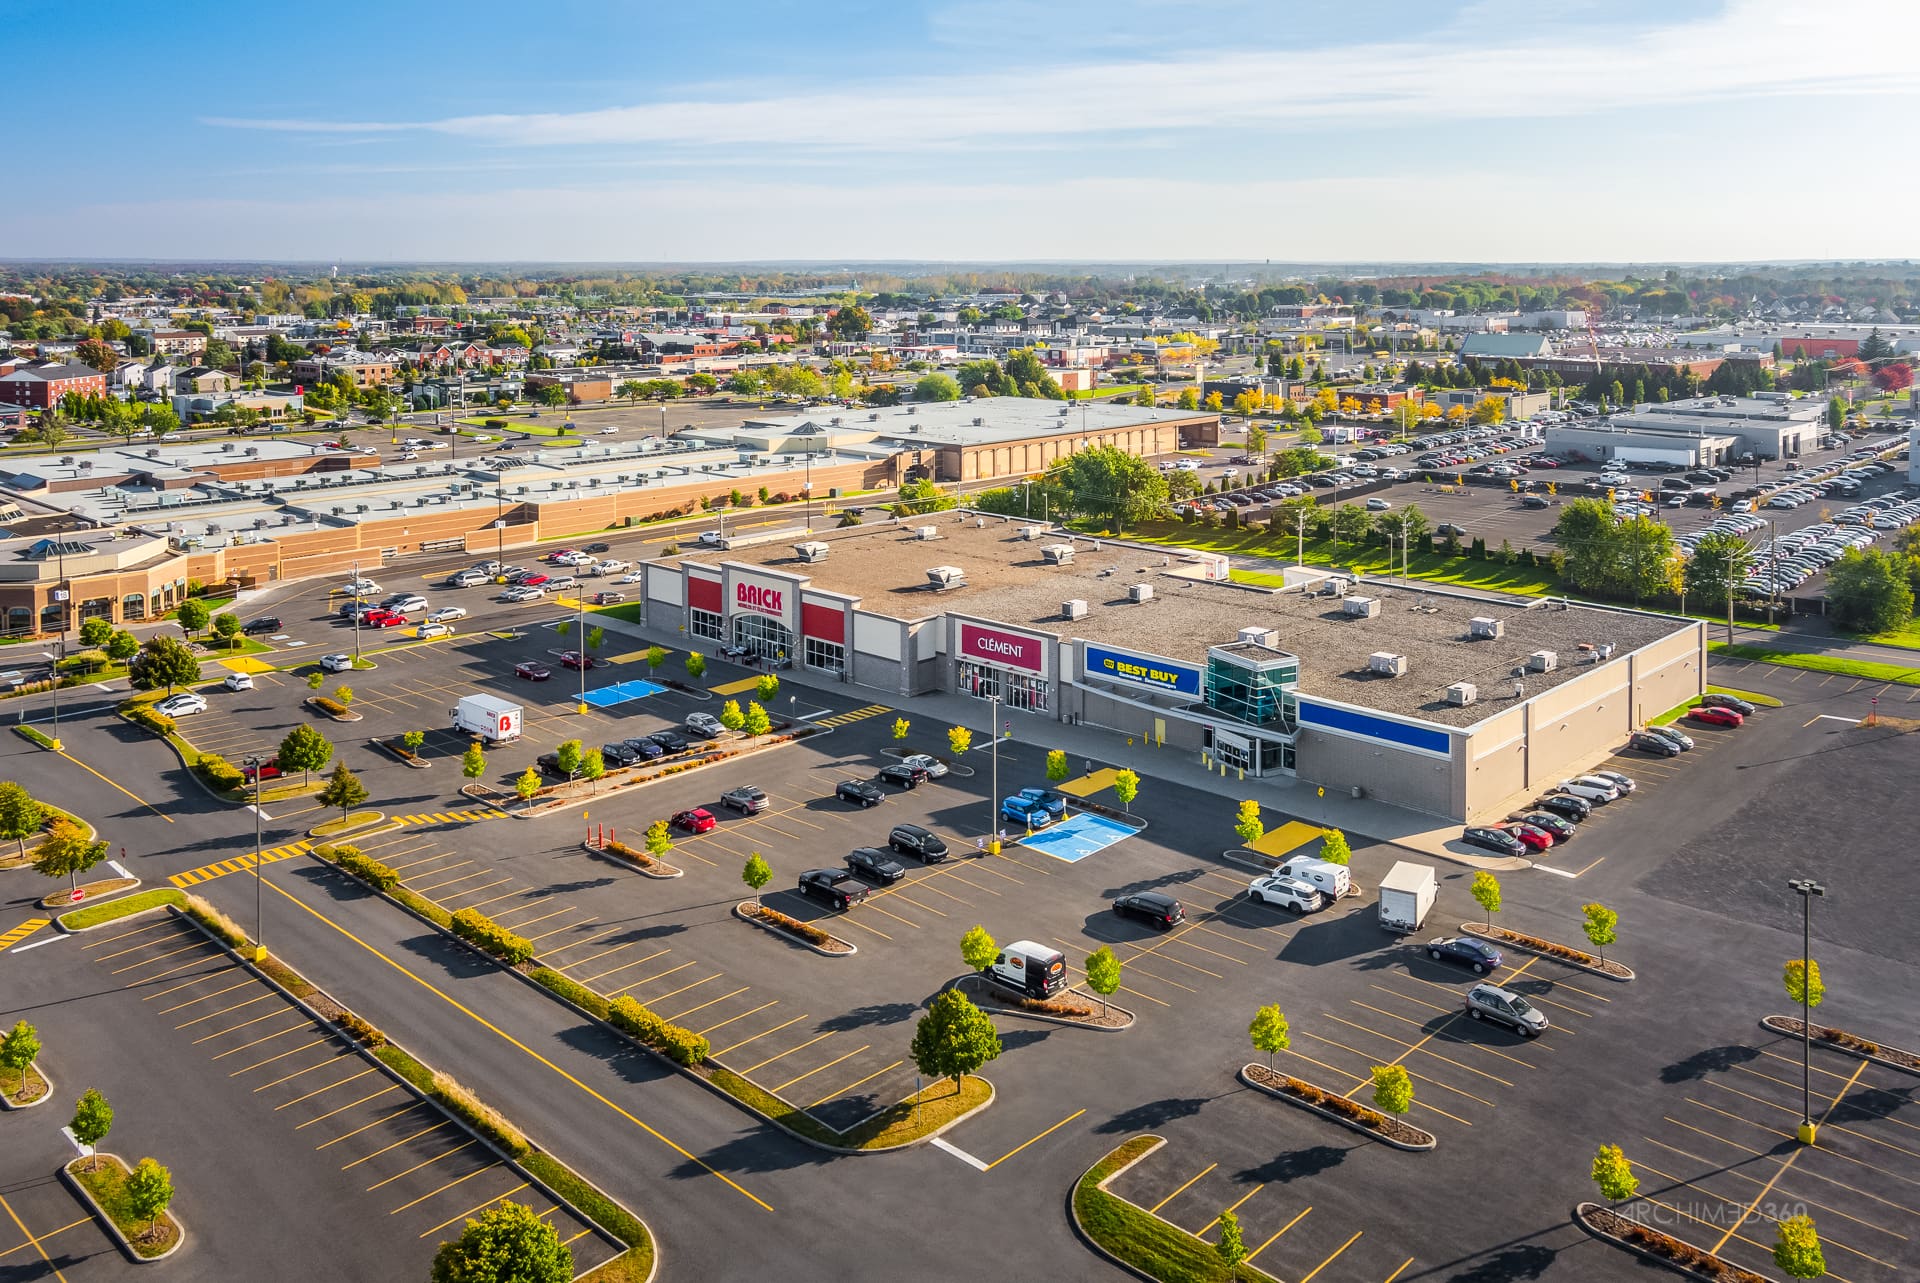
<point>39,384</point>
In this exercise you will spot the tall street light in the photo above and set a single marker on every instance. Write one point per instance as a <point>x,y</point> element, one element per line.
<point>61,595</point>
<point>993,796</point>
<point>257,764</point>
<point>1806,889</point>
<point>356,614</point>
<point>580,640</point>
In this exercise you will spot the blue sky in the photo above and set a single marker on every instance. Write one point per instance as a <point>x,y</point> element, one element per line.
<point>1502,130</point>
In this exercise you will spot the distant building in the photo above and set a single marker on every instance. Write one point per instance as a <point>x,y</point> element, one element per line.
<point>39,384</point>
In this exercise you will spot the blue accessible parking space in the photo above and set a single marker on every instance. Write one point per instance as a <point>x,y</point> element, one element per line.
<point>621,692</point>
<point>1078,837</point>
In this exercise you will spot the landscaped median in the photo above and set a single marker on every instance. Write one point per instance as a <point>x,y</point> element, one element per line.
<point>39,737</point>
<point>1069,1007</point>
<point>1364,1119</point>
<point>1138,1240</point>
<point>96,915</point>
<point>641,862</point>
<point>803,933</point>
<point>1658,1246</point>
<point>89,893</point>
<point>102,1182</point>
<point>1818,662</point>
<point>1841,1040</point>
<point>1566,953</point>
<point>342,825</point>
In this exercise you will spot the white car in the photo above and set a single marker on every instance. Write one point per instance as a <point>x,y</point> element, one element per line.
<point>425,631</point>
<point>1377,504</point>
<point>523,593</point>
<point>634,578</point>
<point>407,605</point>
<point>1286,893</point>
<point>933,766</point>
<point>1590,788</point>
<point>611,566</point>
<point>238,682</point>
<point>447,614</point>
<point>181,705</point>
<point>359,587</point>
<point>336,663</point>
<point>607,432</point>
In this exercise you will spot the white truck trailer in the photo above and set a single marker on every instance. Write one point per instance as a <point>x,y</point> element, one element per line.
<point>1406,893</point>
<point>495,720</point>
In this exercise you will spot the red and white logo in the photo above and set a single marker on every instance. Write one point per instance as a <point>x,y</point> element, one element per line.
<point>1011,649</point>
<point>758,598</point>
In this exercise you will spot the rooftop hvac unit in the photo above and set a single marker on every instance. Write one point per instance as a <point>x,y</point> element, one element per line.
<point>927,532</point>
<point>873,417</point>
<point>1139,592</point>
<point>359,507</point>
<point>1461,694</point>
<point>1485,628</point>
<point>1333,588</point>
<point>1387,664</point>
<point>1058,554</point>
<point>1259,635</point>
<point>811,551</point>
<point>1075,609</point>
<point>253,452</point>
<point>1033,532</point>
<point>1542,661</point>
<point>1362,607</point>
<point>66,460</point>
<point>940,578</point>
<point>226,447</point>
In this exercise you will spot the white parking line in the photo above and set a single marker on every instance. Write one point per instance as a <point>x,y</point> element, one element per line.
<point>1559,873</point>
<point>960,1154</point>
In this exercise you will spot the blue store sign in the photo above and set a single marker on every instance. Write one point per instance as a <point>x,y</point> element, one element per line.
<point>1154,672</point>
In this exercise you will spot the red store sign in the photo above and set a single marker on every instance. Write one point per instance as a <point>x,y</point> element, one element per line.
<point>1010,650</point>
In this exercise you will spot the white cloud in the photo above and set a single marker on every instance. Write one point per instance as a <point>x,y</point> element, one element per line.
<point>1750,48</point>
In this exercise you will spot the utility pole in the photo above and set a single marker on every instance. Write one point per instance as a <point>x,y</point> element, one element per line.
<point>356,614</point>
<point>62,595</point>
<point>993,795</point>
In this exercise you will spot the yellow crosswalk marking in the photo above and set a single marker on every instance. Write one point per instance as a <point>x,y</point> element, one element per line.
<point>22,931</point>
<point>241,864</point>
<point>858,714</point>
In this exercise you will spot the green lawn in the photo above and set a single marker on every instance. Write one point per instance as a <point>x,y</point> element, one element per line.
<point>1818,663</point>
<point>1149,1244</point>
<point>1373,559</point>
<point>140,902</point>
<point>1907,636</point>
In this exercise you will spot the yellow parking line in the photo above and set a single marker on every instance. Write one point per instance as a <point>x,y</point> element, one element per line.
<point>1308,1276</point>
<point>567,927</point>
<point>135,948</point>
<point>1277,1233</point>
<point>70,1225</point>
<point>233,1028</point>
<point>201,945</point>
<point>188,984</point>
<point>1402,1270</point>
<point>331,1060</point>
<point>645,979</point>
<point>849,1088</point>
<point>397,1110</point>
<point>466,1144</point>
<point>319,1091</point>
<point>673,993</point>
<point>1155,1209</point>
<point>352,1104</point>
<point>476,1207</point>
<point>762,1034</point>
<point>1234,1208</point>
<point>142,929</point>
<point>1790,1159</point>
<point>789,1051</point>
<point>432,1127</point>
<point>22,1226</point>
<point>270,1059</point>
<point>298,1024</point>
<point>1042,1136</point>
<point>135,796</point>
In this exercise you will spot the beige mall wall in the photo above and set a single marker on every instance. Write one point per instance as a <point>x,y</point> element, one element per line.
<point>1387,774</point>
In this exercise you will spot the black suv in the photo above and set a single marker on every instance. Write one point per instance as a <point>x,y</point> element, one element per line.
<point>875,865</point>
<point>618,754</point>
<point>264,624</point>
<point>643,748</point>
<point>860,792</point>
<point>911,839</point>
<point>549,764</point>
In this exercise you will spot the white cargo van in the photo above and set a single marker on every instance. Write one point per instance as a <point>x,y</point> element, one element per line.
<point>1329,879</point>
<point>489,717</point>
<point>1033,969</point>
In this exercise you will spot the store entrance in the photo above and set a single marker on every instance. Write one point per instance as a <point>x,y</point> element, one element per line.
<point>767,640</point>
<point>1256,755</point>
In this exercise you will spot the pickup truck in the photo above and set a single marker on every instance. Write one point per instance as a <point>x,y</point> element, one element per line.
<point>836,888</point>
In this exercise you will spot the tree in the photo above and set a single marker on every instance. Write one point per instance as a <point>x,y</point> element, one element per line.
<point>1057,768</point>
<point>96,631</point>
<point>593,766</point>
<point>696,665</point>
<point>850,321</point>
<point>1614,1174</point>
<point>1103,974</point>
<point>343,695</point>
<point>756,874</point>
<point>766,688</point>
<point>569,756</point>
<point>1269,1032</point>
<point>412,740</point>
<point>1109,486</point>
<point>122,646</point>
<point>959,739</point>
<point>1599,925</point>
<point>1868,592</point>
<point>226,627</point>
<point>659,839</point>
<point>900,728</point>
<point>757,721</point>
<point>67,851</point>
<point>954,1038</point>
<point>149,1189</point>
<point>632,390</point>
<point>1256,439</point>
<point>1489,410</point>
<point>1836,414</point>
<point>730,715</point>
<point>527,784</point>
<point>1486,893</point>
<point>1874,347</point>
<point>977,949</point>
<point>655,657</point>
<point>1334,848</point>
<point>1719,562</point>
<point>923,496</point>
<point>507,1244</point>
<point>550,394</point>
<point>97,354</point>
<point>596,637</point>
<point>1796,1248</point>
<point>1189,399</point>
<point>18,1050</point>
<point>1392,1089</point>
<point>474,764</point>
<point>304,750</point>
<point>1230,1248</point>
<point>1126,787</point>
<point>20,815</point>
<point>92,1120</point>
<point>1802,979</point>
<point>343,789</point>
<point>163,661</point>
<point>1247,824</point>
<point>192,616</point>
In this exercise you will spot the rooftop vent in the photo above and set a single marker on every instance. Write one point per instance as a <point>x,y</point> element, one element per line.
<point>1075,609</point>
<point>226,447</point>
<point>811,551</point>
<point>1058,554</point>
<point>1033,532</point>
<point>1385,663</point>
<point>1333,588</point>
<point>926,532</point>
<point>1542,661</point>
<point>253,452</point>
<point>1139,592</point>
<point>1461,694</point>
<point>1485,628</point>
<point>1362,607</point>
<point>941,578</point>
<point>1259,635</point>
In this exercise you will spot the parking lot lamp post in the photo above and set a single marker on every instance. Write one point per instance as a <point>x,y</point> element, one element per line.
<point>1806,889</point>
<point>259,943</point>
<point>62,596</point>
<point>580,640</point>
<point>993,794</point>
<point>356,614</point>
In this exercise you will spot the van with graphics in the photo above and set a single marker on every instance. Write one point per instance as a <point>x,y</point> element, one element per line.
<point>1033,969</point>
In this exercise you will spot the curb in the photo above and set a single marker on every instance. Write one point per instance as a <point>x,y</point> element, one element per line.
<point>1766,1022</point>
<point>784,934</point>
<point>1073,1212</point>
<point>45,1096</point>
<point>641,869</point>
<point>353,831</point>
<point>1483,933</point>
<point>70,905</point>
<point>550,806</point>
<point>1580,1211</point>
<point>1349,1123</point>
<point>80,931</point>
<point>412,760</point>
<point>1012,1009</point>
<point>85,1195</point>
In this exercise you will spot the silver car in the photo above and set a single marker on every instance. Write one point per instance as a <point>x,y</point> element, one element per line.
<point>933,766</point>
<point>1505,1007</point>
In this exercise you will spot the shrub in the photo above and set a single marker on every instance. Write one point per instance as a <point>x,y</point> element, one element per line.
<point>682,1046</point>
<point>143,715</point>
<point>573,991</point>
<point>330,706</point>
<point>215,921</point>
<point>625,852</point>
<point>481,1117</point>
<point>220,774</point>
<point>379,876</point>
<point>805,930</point>
<point>360,1030</point>
<point>286,977</point>
<point>478,929</point>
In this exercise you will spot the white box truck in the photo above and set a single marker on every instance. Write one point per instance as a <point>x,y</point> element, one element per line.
<point>489,717</point>
<point>1406,893</point>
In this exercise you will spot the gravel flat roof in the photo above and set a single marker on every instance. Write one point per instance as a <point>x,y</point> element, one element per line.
<point>1008,580</point>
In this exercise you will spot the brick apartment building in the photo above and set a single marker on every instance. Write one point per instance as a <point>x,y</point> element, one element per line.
<point>39,384</point>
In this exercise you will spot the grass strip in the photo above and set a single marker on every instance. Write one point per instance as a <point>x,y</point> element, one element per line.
<point>632,1265</point>
<point>108,1184</point>
<point>1815,662</point>
<point>455,1099</point>
<point>107,911</point>
<point>1141,1239</point>
<point>341,824</point>
<point>1752,697</point>
<point>38,736</point>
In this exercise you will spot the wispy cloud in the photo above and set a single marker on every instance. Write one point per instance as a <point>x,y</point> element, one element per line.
<point>1749,48</point>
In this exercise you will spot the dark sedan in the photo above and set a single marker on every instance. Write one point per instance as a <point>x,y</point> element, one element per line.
<point>599,547</point>
<point>1566,804</point>
<point>671,741</point>
<point>264,624</point>
<point>1155,907</point>
<point>618,754</point>
<point>861,792</point>
<point>643,748</point>
<point>747,800</point>
<point>1673,735</point>
<point>1562,828</point>
<point>1494,840</point>
<point>531,671</point>
<point>574,659</point>
<point>1658,745</point>
<point>1712,699</point>
<point>903,776</point>
<point>875,866</point>
<point>1476,956</point>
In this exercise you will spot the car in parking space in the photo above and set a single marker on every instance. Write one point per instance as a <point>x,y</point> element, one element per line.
<point>1588,788</point>
<point>1024,810</point>
<point>185,704</point>
<point>1712,716</point>
<point>447,614</point>
<point>605,598</point>
<point>1447,528</point>
<point>1376,504</point>
<point>405,603</point>
<point>1476,956</point>
<point>532,670</point>
<point>616,753</point>
<point>1560,826</point>
<point>911,839</point>
<point>238,682</point>
<point>575,660</point>
<point>1493,840</point>
<point>1673,735</point>
<point>746,799</point>
<point>874,865</point>
<point>264,624</point>
<point>1505,1007</point>
<point>643,747</point>
<point>704,724</point>
<point>933,766</point>
<point>1625,783</point>
<point>525,592</point>
<point>527,579</point>
<point>336,663</point>
<point>561,583</point>
<point>863,793</point>
<point>1285,892</point>
<point>1715,699</point>
<point>599,547</point>
<point>465,579</point>
<point>383,619</point>
<point>695,820</point>
<point>1055,802</point>
<point>1658,745</point>
<point>267,770</point>
<point>549,764</point>
<point>1156,908</point>
<point>1533,837</point>
<point>901,775</point>
<point>427,631</point>
<point>672,741</point>
<point>359,587</point>
<point>1566,804</point>
<point>634,578</point>
<point>836,888</point>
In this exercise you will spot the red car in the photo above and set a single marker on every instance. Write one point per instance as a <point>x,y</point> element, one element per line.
<point>533,581</point>
<point>698,820</point>
<point>574,659</point>
<point>267,771</point>
<point>1715,716</point>
<point>531,671</point>
<point>383,619</point>
<point>1536,838</point>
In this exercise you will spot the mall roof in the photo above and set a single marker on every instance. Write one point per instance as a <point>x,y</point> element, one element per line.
<point>1009,580</point>
<point>969,421</point>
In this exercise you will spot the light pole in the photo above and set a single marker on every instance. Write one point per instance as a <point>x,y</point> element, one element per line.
<point>580,627</point>
<point>356,613</point>
<point>1806,889</point>
<point>61,595</point>
<point>259,940</point>
<point>993,795</point>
